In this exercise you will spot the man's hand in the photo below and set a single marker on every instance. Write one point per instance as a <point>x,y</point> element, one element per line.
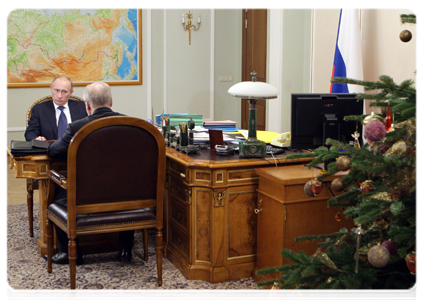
<point>41,138</point>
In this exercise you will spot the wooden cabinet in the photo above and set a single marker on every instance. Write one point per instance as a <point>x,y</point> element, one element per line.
<point>211,226</point>
<point>285,211</point>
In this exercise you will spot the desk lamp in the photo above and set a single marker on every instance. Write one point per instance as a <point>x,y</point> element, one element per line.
<point>253,91</point>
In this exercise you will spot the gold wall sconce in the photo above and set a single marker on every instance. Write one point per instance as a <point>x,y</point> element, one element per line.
<point>187,25</point>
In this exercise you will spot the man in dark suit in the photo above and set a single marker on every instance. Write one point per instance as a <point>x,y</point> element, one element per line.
<point>98,101</point>
<point>43,124</point>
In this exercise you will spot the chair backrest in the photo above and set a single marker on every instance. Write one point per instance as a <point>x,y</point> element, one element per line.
<point>116,163</point>
<point>46,98</point>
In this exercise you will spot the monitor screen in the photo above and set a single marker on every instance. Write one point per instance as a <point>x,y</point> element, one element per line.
<point>316,117</point>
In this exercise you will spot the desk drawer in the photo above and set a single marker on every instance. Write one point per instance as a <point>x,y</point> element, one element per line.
<point>179,241</point>
<point>178,213</point>
<point>178,190</point>
<point>179,171</point>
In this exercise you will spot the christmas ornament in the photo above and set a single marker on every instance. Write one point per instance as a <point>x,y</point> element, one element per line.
<point>391,246</point>
<point>382,224</point>
<point>338,216</point>
<point>356,135</point>
<point>325,259</point>
<point>410,259</point>
<point>405,36</point>
<point>378,256</point>
<point>316,186</point>
<point>384,196</point>
<point>359,231</point>
<point>374,131</point>
<point>366,186</point>
<point>410,127</point>
<point>388,121</point>
<point>307,189</point>
<point>406,180</point>
<point>371,117</point>
<point>343,163</point>
<point>275,292</point>
<point>337,185</point>
<point>399,149</point>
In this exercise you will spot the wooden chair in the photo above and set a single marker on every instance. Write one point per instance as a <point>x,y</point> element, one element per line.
<point>31,184</point>
<point>115,182</point>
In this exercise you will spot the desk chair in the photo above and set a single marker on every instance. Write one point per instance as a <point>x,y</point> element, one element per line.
<point>115,182</point>
<point>31,184</point>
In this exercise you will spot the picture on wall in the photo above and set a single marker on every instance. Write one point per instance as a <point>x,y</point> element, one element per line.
<point>85,44</point>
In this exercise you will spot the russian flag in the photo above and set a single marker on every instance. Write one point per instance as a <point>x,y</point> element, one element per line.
<point>348,61</point>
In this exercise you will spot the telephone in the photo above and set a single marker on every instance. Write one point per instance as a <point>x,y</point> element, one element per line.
<point>282,140</point>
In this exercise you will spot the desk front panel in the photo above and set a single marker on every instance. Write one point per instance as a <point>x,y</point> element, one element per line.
<point>210,220</point>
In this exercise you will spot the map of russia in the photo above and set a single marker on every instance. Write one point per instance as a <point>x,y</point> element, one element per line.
<point>86,45</point>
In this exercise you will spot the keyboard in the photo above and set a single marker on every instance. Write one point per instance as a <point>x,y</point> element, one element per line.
<point>274,150</point>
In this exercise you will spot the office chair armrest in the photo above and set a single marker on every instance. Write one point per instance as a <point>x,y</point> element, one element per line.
<point>59,178</point>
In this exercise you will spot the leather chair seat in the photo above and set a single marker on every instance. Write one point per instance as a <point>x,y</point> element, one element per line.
<point>104,218</point>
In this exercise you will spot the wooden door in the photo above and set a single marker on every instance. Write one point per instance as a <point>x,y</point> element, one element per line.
<point>254,49</point>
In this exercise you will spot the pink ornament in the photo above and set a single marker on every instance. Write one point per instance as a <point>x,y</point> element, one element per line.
<point>391,246</point>
<point>374,131</point>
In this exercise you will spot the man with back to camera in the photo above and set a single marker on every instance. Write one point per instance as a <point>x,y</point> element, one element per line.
<point>98,101</point>
<point>45,116</point>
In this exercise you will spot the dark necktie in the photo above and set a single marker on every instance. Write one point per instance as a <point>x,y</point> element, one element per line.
<point>62,124</point>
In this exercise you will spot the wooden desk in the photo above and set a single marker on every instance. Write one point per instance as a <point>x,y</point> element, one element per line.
<point>209,214</point>
<point>286,212</point>
<point>37,167</point>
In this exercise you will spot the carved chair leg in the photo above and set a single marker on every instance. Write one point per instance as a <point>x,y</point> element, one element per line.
<point>30,205</point>
<point>159,255</point>
<point>49,231</point>
<point>72,262</point>
<point>145,240</point>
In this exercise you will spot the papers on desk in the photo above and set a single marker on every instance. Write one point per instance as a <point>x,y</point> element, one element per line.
<point>203,137</point>
<point>265,136</point>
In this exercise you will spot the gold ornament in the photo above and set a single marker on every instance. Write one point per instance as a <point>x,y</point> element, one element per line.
<point>343,163</point>
<point>406,180</point>
<point>337,185</point>
<point>372,117</point>
<point>405,36</point>
<point>410,127</point>
<point>399,149</point>
<point>325,259</point>
<point>382,224</point>
<point>384,196</point>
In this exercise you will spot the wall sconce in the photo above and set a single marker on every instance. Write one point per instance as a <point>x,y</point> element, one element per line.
<point>188,24</point>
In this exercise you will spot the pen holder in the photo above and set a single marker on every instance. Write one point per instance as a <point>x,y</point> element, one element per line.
<point>184,138</point>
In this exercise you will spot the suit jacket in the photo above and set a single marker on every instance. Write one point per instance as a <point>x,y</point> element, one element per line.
<point>43,119</point>
<point>59,149</point>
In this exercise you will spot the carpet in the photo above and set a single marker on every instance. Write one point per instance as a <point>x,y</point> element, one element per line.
<point>27,270</point>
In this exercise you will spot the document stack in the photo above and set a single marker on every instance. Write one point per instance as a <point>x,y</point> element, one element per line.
<point>225,126</point>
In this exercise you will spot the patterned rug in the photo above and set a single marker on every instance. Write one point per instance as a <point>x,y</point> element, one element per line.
<point>27,270</point>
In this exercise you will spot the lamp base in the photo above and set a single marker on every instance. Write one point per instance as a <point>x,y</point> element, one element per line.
<point>252,148</point>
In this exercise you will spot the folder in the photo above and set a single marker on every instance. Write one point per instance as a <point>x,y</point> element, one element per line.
<point>22,148</point>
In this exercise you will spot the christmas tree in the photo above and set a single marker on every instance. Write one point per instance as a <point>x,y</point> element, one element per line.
<point>379,195</point>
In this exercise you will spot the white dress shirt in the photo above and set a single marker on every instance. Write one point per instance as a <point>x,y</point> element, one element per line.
<point>65,110</point>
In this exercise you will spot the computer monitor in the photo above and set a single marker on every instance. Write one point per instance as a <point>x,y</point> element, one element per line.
<point>316,117</point>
